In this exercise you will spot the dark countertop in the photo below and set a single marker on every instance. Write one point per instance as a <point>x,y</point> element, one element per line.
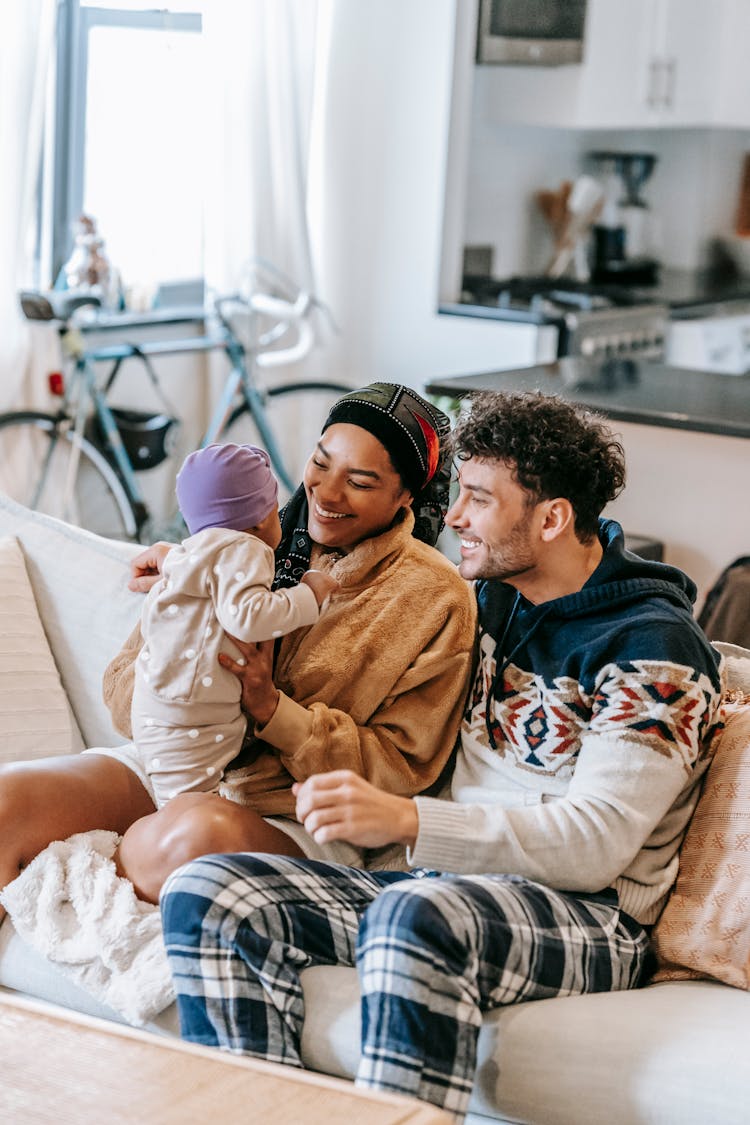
<point>685,292</point>
<point>688,289</point>
<point>627,390</point>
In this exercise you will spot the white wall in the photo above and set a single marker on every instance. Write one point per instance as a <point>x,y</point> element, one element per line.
<point>688,490</point>
<point>380,199</point>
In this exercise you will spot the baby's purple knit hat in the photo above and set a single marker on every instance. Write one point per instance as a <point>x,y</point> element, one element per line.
<point>228,486</point>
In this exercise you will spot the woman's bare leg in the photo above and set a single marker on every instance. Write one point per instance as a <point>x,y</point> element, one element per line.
<point>188,826</point>
<point>53,798</point>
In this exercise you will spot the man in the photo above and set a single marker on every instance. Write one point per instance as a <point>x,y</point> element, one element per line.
<point>585,736</point>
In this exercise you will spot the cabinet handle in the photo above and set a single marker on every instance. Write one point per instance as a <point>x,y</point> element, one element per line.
<point>670,72</point>
<point>652,89</point>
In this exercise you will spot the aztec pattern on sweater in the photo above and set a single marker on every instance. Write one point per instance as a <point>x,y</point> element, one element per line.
<point>625,649</point>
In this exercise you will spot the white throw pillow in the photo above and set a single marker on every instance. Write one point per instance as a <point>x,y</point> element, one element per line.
<point>35,718</point>
<point>80,585</point>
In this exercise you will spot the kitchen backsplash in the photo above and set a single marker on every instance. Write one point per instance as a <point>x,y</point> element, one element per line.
<point>693,192</point>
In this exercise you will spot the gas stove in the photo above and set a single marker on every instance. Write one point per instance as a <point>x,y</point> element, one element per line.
<point>593,321</point>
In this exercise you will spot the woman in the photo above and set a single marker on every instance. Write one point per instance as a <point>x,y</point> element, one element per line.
<point>376,686</point>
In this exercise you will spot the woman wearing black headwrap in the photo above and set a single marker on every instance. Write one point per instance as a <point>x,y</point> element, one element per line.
<point>413,432</point>
<point>376,685</point>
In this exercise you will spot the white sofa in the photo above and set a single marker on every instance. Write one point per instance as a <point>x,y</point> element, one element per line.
<point>670,1054</point>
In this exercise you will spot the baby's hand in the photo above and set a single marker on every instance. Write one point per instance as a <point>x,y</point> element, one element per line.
<point>145,568</point>
<point>321,584</point>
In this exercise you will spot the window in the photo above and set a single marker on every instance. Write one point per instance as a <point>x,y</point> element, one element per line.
<point>127,137</point>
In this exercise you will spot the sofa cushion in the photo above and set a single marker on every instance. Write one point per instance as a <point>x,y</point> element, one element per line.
<point>24,970</point>
<point>704,929</point>
<point>669,1054</point>
<point>35,717</point>
<point>80,586</point>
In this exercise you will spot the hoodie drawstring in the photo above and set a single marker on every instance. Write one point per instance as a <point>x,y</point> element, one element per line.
<point>500,668</point>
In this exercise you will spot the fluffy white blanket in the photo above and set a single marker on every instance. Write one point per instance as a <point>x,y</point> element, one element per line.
<point>71,906</point>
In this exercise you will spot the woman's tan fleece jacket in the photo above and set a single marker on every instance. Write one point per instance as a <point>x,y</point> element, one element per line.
<point>377,685</point>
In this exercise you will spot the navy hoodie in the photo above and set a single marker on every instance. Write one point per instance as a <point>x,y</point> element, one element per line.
<point>629,609</point>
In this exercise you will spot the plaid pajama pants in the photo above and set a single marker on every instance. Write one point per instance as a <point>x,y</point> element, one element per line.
<point>434,952</point>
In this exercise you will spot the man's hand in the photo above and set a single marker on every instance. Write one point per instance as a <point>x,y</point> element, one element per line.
<point>145,568</point>
<point>254,670</point>
<point>341,805</point>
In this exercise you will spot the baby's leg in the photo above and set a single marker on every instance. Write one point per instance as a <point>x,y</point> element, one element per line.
<point>188,826</point>
<point>184,755</point>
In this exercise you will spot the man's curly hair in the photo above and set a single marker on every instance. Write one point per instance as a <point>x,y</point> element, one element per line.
<point>554,448</point>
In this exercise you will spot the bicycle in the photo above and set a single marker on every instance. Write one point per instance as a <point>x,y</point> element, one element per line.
<point>80,463</point>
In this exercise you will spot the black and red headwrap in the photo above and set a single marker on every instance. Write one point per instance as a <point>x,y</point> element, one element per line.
<point>408,426</point>
<point>414,432</point>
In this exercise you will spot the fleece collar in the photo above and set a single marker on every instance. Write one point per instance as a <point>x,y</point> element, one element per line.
<point>368,559</point>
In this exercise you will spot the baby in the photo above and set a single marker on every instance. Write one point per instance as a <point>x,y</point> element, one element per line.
<point>186,716</point>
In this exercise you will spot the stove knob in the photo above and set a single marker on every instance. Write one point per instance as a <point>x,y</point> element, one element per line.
<point>589,347</point>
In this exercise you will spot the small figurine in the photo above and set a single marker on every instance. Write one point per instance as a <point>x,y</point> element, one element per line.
<point>88,268</point>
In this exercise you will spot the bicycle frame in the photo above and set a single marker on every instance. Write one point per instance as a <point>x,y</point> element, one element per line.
<point>86,389</point>
<point>239,380</point>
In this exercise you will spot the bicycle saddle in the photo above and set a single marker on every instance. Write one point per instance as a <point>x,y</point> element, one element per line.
<point>53,306</point>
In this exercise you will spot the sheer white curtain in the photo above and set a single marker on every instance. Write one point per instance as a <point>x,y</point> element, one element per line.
<point>261,57</point>
<point>263,67</point>
<point>25,57</point>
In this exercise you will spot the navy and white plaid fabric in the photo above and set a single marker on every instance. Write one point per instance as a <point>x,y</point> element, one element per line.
<point>433,954</point>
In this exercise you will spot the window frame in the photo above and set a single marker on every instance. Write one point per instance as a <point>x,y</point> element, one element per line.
<point>74,25</point>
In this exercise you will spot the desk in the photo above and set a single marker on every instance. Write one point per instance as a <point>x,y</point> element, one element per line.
<point>72,1069</point>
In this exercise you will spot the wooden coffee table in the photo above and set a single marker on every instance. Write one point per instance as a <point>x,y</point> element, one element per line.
<point>70,1069</point>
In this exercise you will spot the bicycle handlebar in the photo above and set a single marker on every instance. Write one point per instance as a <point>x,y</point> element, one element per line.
<point>280,309</point>
<point>287,314</point>
<point>280,356</point>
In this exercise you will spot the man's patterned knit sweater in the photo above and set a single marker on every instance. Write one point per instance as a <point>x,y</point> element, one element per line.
<point>583,771</point>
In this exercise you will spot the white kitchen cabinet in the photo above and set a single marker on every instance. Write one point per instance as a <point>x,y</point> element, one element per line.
<point>733,88</point>
<point>647,64</point>
<point>617,74</point>
<point>688,42</point>
<point>650,63</point>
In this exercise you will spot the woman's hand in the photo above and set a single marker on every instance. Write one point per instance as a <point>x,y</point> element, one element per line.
<point>254,670</point>
<point>341,805</point>
<point>145,568</point>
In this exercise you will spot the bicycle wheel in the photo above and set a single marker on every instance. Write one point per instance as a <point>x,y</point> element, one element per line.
<point>293,416</point>
<point>46,466</point>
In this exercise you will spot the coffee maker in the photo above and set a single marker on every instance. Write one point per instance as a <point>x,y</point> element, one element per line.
<point>624,236</point>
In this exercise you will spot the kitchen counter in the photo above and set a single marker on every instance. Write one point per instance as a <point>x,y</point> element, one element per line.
<point>628,391</point>
<point>684,292</point>
<point>692,290</point>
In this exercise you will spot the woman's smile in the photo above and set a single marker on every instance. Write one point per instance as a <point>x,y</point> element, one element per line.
<point>324,513</point>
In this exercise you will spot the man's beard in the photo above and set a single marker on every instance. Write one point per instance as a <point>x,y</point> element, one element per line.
<point>513,558</point>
